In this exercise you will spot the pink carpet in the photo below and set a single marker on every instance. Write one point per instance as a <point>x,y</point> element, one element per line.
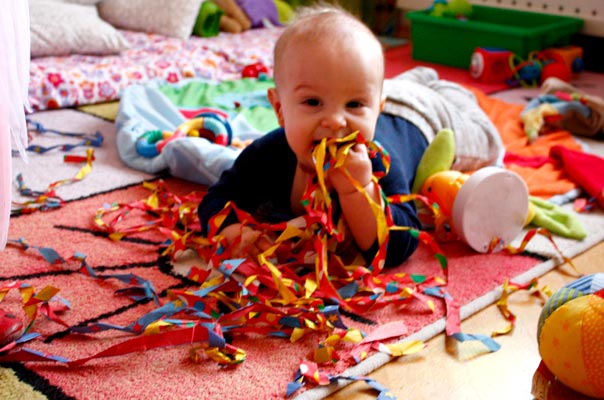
<point>170,372</point>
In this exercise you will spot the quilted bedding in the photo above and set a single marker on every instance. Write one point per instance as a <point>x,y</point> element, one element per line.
<point>61,82</point>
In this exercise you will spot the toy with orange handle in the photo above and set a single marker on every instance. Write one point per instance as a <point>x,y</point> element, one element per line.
<point>489,206</point>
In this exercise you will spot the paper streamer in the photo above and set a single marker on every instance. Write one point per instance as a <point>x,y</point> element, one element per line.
<point>300,286</point>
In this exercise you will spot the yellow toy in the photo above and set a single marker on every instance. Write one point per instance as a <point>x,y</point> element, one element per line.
<point>571,332</point>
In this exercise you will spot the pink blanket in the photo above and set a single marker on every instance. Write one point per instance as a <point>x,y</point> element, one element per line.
<point>60,82</point>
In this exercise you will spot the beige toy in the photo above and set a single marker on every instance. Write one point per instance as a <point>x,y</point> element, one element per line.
<point>234,19</point>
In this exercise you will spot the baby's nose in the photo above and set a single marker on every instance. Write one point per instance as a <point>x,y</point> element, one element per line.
<point>334,122</point>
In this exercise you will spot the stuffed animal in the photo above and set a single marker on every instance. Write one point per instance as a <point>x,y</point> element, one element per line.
<point>235,16</point>
<point>220,15</point>
<point>208,20</point>
<point>460,9</point>
<point>563,106</point>
<point>570,332</point>
<point>549,112</point>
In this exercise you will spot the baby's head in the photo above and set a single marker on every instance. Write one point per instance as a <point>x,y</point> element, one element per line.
<point>327,26</point>
<point>329,71</point>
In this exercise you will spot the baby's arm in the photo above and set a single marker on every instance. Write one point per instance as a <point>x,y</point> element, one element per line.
<point>359,215</point>
<point>360,219</point>
<point>248,184</point>
<point>244,241</point>
<point>356,209</point>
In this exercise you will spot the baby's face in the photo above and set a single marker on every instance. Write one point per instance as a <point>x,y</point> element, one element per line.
<point>326,91</point>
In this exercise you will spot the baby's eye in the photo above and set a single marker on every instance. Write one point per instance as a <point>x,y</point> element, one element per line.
<point>312,102</point>
<point>354,104</point>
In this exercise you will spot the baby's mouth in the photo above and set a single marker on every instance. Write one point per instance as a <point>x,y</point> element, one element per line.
<point>327,152</point>
<point>315,143</point>
<point>336,142</point>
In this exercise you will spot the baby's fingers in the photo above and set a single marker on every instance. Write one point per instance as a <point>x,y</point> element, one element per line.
<point>263,242</point>
<point>253,243</point>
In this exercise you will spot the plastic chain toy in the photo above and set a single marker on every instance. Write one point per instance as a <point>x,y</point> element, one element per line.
<point>209,126</point>
<point>527,72</point>
<point>500,65</point>
<point>570,332</point>
<point>541,65</point>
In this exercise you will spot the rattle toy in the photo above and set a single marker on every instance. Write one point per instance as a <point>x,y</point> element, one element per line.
<point>500,65</point>
<point>539,66</point>
<point>525,72</point>
<point>209,126</point>
<point>570,332</point>
<point>487,209</point>
<point>207,23</point>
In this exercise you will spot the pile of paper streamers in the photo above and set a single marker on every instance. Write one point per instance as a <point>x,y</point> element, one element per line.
<point>298,287</point>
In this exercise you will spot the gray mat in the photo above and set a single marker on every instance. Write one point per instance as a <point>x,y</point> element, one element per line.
<point>39,170</point>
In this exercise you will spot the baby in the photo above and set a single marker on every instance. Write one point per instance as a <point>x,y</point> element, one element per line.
<point>328,72</point>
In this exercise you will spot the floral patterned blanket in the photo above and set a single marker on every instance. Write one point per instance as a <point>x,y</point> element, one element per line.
<point>62,82</point>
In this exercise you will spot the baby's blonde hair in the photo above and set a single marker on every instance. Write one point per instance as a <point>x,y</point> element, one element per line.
<point>322,22</point>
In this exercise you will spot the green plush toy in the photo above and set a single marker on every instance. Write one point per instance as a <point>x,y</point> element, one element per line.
<point>460,9</point>
<point>438,157</point>
<point>208,20</point>
<point>555,219</point>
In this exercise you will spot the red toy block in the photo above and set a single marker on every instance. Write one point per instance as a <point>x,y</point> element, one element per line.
<point>491,65</point>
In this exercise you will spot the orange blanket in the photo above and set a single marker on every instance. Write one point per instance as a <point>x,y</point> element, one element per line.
<point>545,180</point>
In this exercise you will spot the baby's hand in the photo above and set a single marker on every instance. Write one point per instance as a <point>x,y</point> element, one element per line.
<point>358,165</point>
<point>245,242</point>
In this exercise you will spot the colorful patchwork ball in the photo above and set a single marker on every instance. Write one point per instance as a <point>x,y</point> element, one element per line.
<point>571,335</point>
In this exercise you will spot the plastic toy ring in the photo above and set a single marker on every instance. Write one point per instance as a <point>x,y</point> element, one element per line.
<point>151,143</point>
<point>225,140</point>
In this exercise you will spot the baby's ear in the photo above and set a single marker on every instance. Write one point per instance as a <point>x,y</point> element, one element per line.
<point>273,98</point>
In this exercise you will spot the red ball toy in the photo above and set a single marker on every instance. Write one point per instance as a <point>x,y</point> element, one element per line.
<point>556,67</point>
<point>254,70</point>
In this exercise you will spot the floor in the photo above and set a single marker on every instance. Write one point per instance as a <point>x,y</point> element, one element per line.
<point>437,373</point>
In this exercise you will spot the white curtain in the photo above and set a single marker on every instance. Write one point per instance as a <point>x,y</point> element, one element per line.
<point>14,82</point>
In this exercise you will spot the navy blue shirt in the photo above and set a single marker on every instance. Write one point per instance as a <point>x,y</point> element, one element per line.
<point>261,178</point>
